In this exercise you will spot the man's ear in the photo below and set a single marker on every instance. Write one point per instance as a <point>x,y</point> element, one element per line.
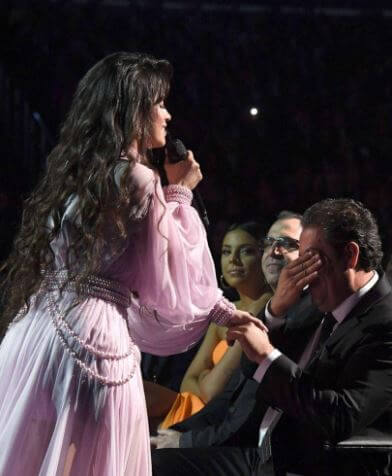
<point>351,254</point>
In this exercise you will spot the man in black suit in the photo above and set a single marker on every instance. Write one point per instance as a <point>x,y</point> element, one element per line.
<point>346,387</point>
<point>223,437</point>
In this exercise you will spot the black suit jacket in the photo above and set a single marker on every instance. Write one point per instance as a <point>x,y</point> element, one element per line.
<point>347,391</point>
<point>233,417</point>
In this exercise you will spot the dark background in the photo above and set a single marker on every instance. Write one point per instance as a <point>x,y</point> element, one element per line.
<point>319,73</point>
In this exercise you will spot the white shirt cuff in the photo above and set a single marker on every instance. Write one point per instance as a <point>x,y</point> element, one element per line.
<point>265,364</point>
<point>272,321</point>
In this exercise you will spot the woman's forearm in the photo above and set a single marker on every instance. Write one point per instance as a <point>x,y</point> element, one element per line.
<point>212,381</point>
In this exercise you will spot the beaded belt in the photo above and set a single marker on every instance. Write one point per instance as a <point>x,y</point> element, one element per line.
<point>110,291</point>
<point>95,286</point>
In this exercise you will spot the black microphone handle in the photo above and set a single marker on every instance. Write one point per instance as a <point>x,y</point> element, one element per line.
<point>201,208</point>
<point>176,151</point>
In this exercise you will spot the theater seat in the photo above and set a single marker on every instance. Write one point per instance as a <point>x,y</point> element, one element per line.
<point>373,441</point>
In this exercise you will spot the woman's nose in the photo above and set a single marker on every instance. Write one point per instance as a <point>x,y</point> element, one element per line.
<point>235,258</point>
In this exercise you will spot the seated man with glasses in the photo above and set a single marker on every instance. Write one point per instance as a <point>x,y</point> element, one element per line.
<point>280,246</point>
<point>284,242</point>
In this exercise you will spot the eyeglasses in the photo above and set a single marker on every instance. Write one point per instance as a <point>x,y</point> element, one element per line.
<point>289,244</point>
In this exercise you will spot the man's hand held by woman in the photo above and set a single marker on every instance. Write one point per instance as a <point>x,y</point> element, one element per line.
<point>238,321</point>
<point>252,334</point>
<point>253,339</point>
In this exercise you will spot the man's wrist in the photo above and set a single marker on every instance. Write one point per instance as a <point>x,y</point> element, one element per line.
<point>267,352</point>
<point>274,309</point>
<point>265,364</point>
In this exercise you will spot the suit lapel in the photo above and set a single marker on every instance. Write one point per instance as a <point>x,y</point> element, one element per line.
<point>376,294</point>
<point>301,324</point>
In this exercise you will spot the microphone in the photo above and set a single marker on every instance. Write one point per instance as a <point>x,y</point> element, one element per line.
<point>176,151</point>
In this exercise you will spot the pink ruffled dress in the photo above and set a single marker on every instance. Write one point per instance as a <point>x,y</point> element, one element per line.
<point>71,393</point>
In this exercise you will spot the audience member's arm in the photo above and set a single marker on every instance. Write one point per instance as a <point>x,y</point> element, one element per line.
<point>359,395</point>
<point>212,381</point>
<point>215,431</point>
<point>272,322</point>
<point>201,362</point>
<point>202,377</point>
<point>208,427</point>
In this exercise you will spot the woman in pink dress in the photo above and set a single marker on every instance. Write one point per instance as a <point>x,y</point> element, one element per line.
<point>106,262</point>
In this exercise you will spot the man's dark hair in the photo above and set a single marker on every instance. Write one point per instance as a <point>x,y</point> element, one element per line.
<point>343,220</point>
<point>287,215</point>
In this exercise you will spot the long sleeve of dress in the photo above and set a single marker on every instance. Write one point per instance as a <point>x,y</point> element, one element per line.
<point>172,273</point>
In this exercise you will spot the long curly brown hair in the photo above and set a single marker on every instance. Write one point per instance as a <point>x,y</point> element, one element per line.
<point>112,107</point>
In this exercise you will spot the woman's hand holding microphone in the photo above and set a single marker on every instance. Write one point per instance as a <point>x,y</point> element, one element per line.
<point>185,172</point>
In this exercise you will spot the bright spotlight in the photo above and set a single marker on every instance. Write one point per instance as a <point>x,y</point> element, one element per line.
<point>253,111</point>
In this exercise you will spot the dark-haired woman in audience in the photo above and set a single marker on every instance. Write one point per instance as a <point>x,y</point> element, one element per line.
<point>215,361</point>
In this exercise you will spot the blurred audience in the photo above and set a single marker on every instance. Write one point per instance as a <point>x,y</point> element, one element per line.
<point>324,106</point>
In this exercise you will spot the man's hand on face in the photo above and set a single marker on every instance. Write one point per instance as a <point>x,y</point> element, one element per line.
<point>293,278</point>
<point>254,340</point>
<point>166,439</point>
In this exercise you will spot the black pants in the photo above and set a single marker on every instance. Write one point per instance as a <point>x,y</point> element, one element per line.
<point>214,461</point>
